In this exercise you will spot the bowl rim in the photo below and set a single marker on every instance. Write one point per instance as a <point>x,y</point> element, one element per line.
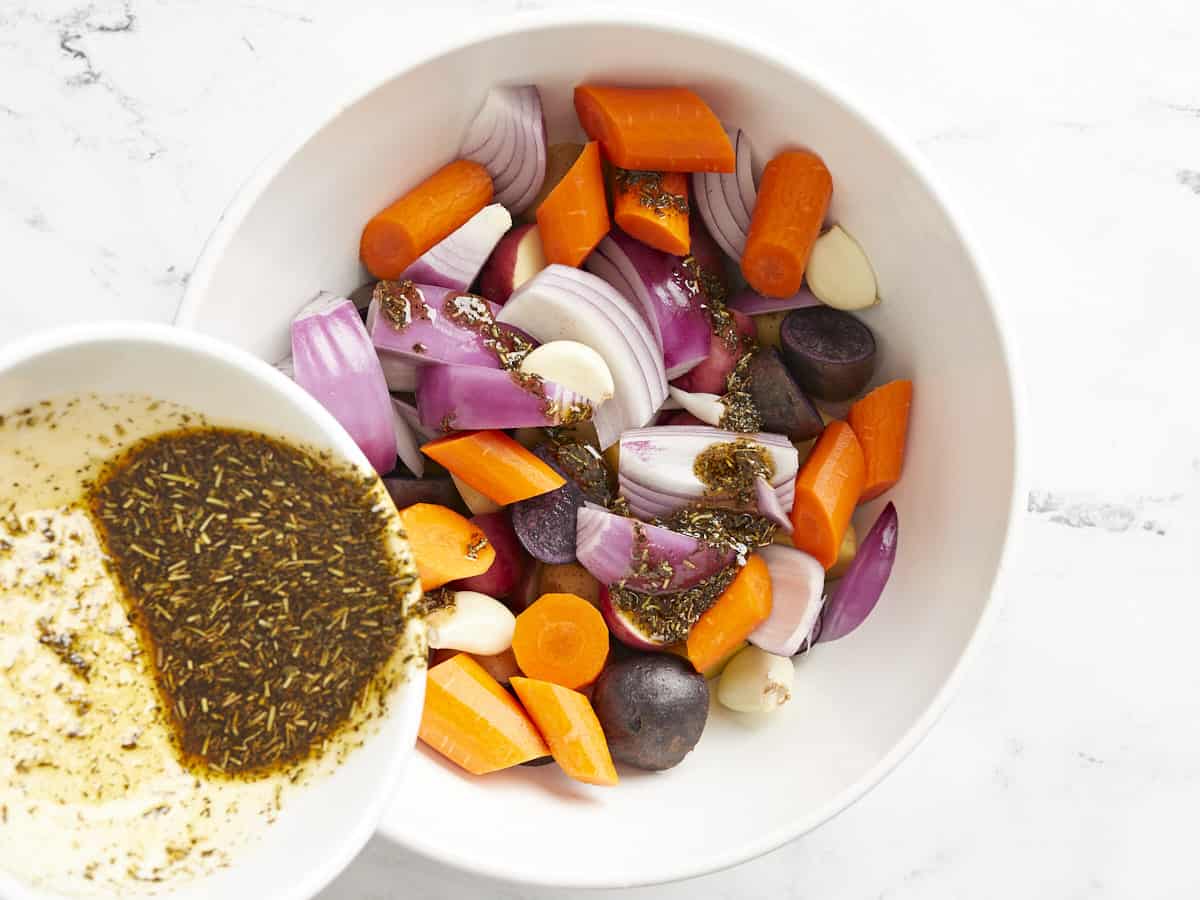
<point>314,878</point>
<point>737,38</point>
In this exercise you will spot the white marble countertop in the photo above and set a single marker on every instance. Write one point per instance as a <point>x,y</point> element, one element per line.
<point>1069,764</point>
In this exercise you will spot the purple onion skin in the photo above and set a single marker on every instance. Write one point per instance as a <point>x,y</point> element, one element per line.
<point>855,595</point>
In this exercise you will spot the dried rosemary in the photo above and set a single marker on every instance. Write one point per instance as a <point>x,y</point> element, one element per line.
<point>261,580</point>
<point>669,617</point>
<point>651,192</point>
<point>728,469</point>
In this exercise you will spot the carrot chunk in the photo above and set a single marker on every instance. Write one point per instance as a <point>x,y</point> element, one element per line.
<point>653,207</point>
<point>792,200</point>
<point>494,464</point>
<point>880,422</point>
<point>660,129</point>
<point>472,721</point>
<point>743,606</point>
<point>828,487</point>
<point>446,546</point>
<point>574,216</point>
<point>398,235</point>
<point>561,638</point>
<point>569,725</point>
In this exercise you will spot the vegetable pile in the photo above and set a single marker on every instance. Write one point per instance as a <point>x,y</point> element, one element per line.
<point>631,417</point>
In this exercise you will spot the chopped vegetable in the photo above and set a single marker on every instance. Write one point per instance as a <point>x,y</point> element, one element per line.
<point>502,666</point>
<point>472,622</point>
<point>470,397</point>
<point>472,721</point>
<point>880,422</point>
<point>446,546</point>
<point>827,490</point>
<point>574,216</point>
<point>643,557</point>
<point>504,574</point>
<point>625,628</point>
<point>657,129</point>
<point>792,200</point>
<point>753,303</point>
<point>426,324</point>
<point>769,505</point>
<point>334,361</point>
<point>575,366</point>
<point>724,352</point>
<point>756,681</point>
<point>846,553</point>
<point>407,446</point>
<point>508,138</point>
<point>407,491</point>
<point>653,207</point>
<point>797,586</point>
<point>703,409</point>
<point>831,353</point>
<point>570,578</point>
<point>561,638</point>
<point>455,261</point>
<point>744,605</point>
<point>726,200</point>
<point>855,595</point>
<point>653,709</point>
<point>397,236</point>
<point>545,524</point>
<point>567,722</point>
<point>516,259</point>
<point>782,405</point>
<point>560,303</point>
<point>667,294</point>
<point>494,464</point>
<point>559,159</point>
<point>839,273</point>
<point>477,503</point>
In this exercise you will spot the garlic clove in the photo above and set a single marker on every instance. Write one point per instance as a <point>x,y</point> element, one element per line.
<point>575,366</point>
<point>473,623</point>
<point>756,681</point>
<point>839,273</point>
<point>708,408</point>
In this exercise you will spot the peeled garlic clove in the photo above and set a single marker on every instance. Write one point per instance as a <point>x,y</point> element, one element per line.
<point>756,681</point>
<point>473,623</point>
<point>575,366</point>
<point>839,273</point>
<point>708,408</point>
<point>479,504</point>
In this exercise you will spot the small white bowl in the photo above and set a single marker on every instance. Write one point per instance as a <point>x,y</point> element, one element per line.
<point>323,825</point>
<point>861,703</point>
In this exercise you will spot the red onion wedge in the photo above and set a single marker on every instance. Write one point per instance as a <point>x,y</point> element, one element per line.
<point>508,138</point>
<point>797,585</point>
<point>407,446</point>
<point>335,362</point>
<point>646,558</point>
<point>726,200</point>
<point>857,592</point>
<point>438,325</point>
<point>770,506</point>
<point>562,303</point>
<point>455,261</point>
<point>622,626</point>
<point>469,397</point>
<point>658,285</point>
<point>753,303</point>
<point>657,467</point>
<point>410,415</point>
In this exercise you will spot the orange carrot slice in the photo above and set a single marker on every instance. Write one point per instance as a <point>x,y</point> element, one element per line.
<point>445,545</point>
<point>574,216</point>
<point>660,129</point>
<point>396,236</point>
<point>494,464</point>
<point>569,725</point>
<point>653,207</point>
<point>827,490</point>
<point>880,422</point>
<point>472,721</point>
<point>743,606</point>
<point>561,638</point>
<point>792,200</point>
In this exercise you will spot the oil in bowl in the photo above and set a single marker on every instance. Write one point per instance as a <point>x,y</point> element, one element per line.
<point>196,620</point>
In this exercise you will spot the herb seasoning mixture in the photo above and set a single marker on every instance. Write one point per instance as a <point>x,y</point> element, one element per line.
<point>262,580</point>
<point>651,192</point>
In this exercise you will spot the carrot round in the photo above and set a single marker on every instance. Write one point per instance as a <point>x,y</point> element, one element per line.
<point>561,638</point>
<point>471,720</point>
<point>660,129</point>
<point>574,216</point>
<point>398,235</point>
<point>880,422</point>
<point>569,725</point>
<point>828,488</point>
<point>494,464</point>
<point>446,546</point>
<point>743,606</point>
<point>792,199</point>
<point>653,207</point>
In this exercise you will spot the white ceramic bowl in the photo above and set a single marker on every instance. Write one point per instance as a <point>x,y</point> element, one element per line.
<point>862,703</point>
<point>324,825</point>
